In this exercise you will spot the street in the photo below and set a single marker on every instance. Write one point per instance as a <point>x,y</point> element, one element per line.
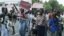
<point>36,17</point>
<point>17,26</point>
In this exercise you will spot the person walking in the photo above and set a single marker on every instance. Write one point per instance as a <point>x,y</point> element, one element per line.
<point>4,11</point>
<point>4,28</point>
<point>60,24</point>
<point>23,23</point>
<point>53,24</point>
<point>40,24</point>
<point>13,19</point>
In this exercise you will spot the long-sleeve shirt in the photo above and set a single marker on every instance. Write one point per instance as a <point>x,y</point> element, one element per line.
<point>41,20</point>
<point>53,23</point>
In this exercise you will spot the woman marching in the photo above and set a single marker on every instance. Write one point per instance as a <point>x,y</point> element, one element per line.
<point>53,24</point>
<point>41,24</point>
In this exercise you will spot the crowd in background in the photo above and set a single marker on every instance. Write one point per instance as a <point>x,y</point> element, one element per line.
<point>35,24</point>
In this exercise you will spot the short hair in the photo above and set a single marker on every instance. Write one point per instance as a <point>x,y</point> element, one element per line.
<point>22,10</point>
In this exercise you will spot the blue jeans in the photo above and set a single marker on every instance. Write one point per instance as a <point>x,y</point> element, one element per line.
<point>28,26</point>
<point>4,31</point>
<point>23,27</point>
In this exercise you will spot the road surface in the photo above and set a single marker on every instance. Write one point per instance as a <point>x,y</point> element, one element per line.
<point>17,30</point>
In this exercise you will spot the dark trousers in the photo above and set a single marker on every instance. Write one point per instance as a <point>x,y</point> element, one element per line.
<point>13,29</point>
<point>60,33</point>
<point>41,30</point>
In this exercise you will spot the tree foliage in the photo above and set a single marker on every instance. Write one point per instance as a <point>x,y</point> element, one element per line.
<point>33,1</point>
<point>47,6</point>
<point>53,5</point>
<point>61,8</point>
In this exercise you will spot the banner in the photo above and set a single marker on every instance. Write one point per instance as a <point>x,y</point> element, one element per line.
<point>25,5</point>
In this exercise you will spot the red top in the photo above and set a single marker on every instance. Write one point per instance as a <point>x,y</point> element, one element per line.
<point>23,15</point>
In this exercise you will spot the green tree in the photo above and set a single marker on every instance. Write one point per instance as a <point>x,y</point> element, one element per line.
<point>33,1</point>
<point>61,8</point>
<point>53,5</point>
<point>47,6</point>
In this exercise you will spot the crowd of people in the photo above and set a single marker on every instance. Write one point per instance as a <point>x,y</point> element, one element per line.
<point>35,24</point>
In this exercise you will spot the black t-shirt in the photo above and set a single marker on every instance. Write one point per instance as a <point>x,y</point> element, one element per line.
<point>4,10</point>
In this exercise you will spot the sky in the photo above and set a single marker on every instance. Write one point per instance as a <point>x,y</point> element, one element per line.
<point>14,1</point>
<point>60,1</point>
